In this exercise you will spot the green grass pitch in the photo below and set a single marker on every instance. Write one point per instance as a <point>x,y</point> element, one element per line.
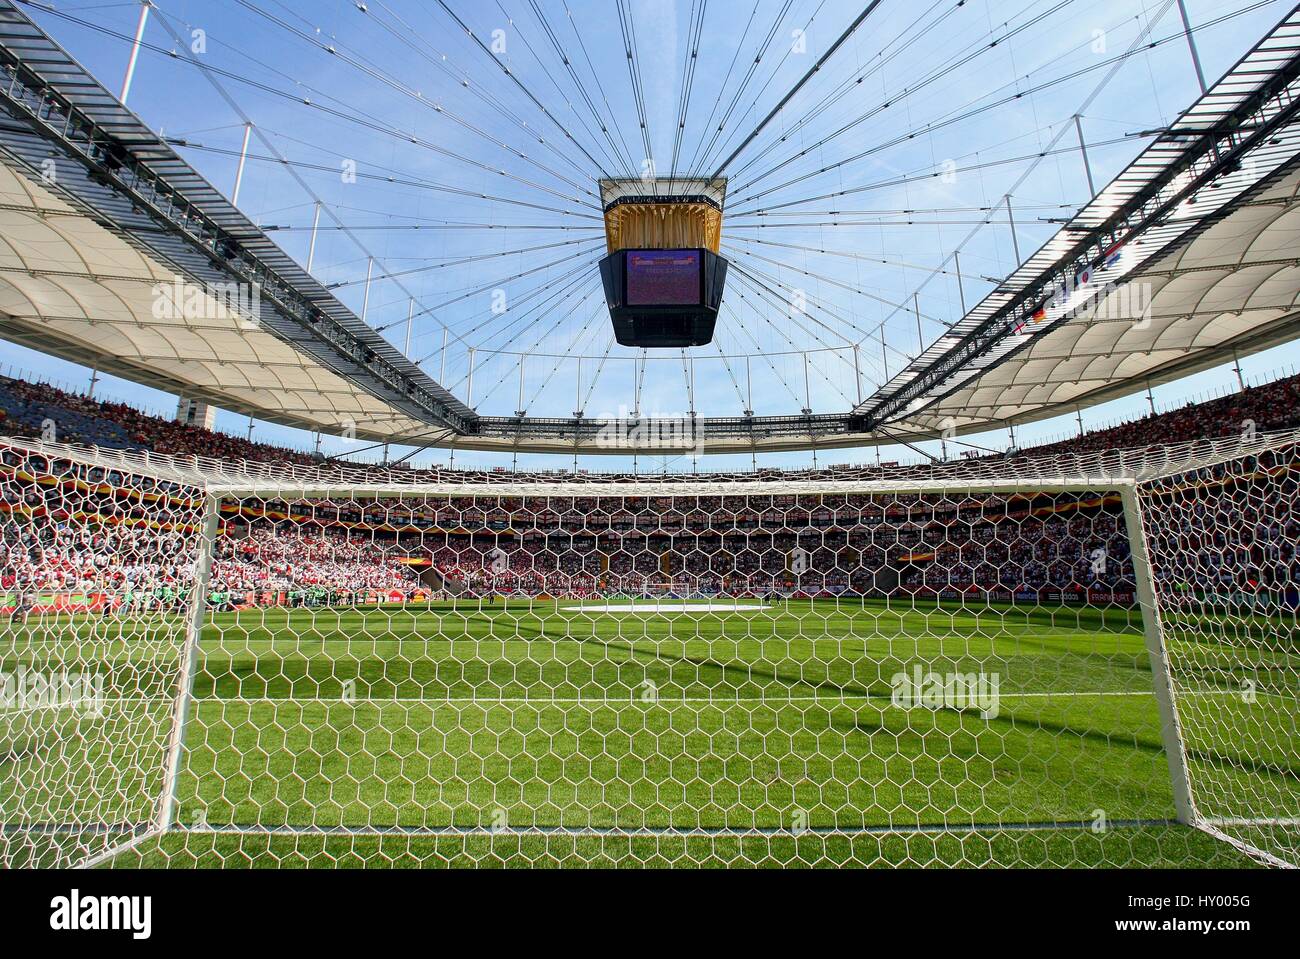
<point>543,733</point>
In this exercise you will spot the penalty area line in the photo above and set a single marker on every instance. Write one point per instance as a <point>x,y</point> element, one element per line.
<point>665,832</point>
<point>210,701</point>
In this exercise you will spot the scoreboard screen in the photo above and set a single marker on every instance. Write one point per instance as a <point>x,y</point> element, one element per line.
<point>663,278</point>
<point>663,299</point>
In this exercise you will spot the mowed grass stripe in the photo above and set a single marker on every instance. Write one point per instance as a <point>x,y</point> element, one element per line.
<point>405,654</point>
<point>632,765</point>
<point>463,713</point>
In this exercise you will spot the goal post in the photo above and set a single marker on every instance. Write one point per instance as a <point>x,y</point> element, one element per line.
<point>1056,662</point>
<point>195,619</point>
<point>1153,632</point>
<point>97,567</point>
<point>1225,573</point>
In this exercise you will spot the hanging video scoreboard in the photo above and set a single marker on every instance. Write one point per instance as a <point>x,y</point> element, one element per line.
<point>664,298</point>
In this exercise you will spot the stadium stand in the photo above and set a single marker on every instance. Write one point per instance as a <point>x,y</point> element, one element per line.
<point>27,409</point>
<point>82,546</point>
<point>37,409</point>
<point>1273,406</point>
<point>86,546</point>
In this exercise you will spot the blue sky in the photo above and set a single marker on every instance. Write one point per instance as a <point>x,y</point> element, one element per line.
<point>430,121</point>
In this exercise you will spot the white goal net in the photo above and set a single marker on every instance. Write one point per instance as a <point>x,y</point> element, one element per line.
<point>1065,662</point>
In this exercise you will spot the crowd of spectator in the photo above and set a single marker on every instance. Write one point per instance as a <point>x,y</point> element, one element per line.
<point>44,411</point>
<point>1258,409</point>
<point>95,538</point>
<point>950,550</point>
<point>40,410</point>
<point>74,529</point>
<point>302,566</point>
<point>65,563</point>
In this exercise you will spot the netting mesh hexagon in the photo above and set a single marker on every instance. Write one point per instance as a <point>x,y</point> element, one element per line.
<point>1046,664</point>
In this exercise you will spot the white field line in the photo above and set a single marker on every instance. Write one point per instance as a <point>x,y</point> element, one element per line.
<point>1056,632</point>
<point>88,712</point>
<point>1009,638</point>
<point>1254,821</point>
<point>648,832</point>
<point>605,701</point>
<point>698,700</point>
<point>115,851</point>
<point>659,701</point>
<point>668,608</point>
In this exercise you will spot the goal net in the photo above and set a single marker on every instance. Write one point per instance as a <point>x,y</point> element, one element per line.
<point>1074,661</point>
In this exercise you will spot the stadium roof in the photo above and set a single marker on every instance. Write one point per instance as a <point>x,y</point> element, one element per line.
<point>1123,298</point>
<point>96,210</point>
<point>72,288</point>
<point>1232,290</point>
<point>1093,472</point>
<point>1204,220</point>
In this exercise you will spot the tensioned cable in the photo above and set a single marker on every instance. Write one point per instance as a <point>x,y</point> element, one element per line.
<point>758,95</point>
<point>231,102</point>
<point>819,224</point>
<point>600,87</point>
<point>386,79</point>
<point>884,301</point>
<point>493,285</point>
<point>586,294</point>
<point>771,296</point>
<point>515,315</point>
<point>280,160</point>
<point>599,225</point>
<point>512,315</point>
<point>461,261</point>
<point>427,227</point>
<point>726,364</point>
<point>722,87</point>
<point>928,211</point>
<point>580,267</point>
<point>863,258</point>
<point>625,157</point>
<point>764,211</point>
<point>585,290</point>
<point>518,83</point>
<point>407,36</point>
<point>628,28</point>
<point>803,81</point>
<point>758,349</point>
<point>910,90</point>
<point>506,376</point>
<point>211,72</point>
<point>1065,128</point>
<point>560,360</point>
<point>744,83</point>
<point>689,62</point>
<point>837,352</point>
<point>546,71</point>
<point>1115,63</point>
<point>762,279</point>
<point>856,80</point>
<point>952,64</point>
<point>600,368</point>
<point>393,173</point>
